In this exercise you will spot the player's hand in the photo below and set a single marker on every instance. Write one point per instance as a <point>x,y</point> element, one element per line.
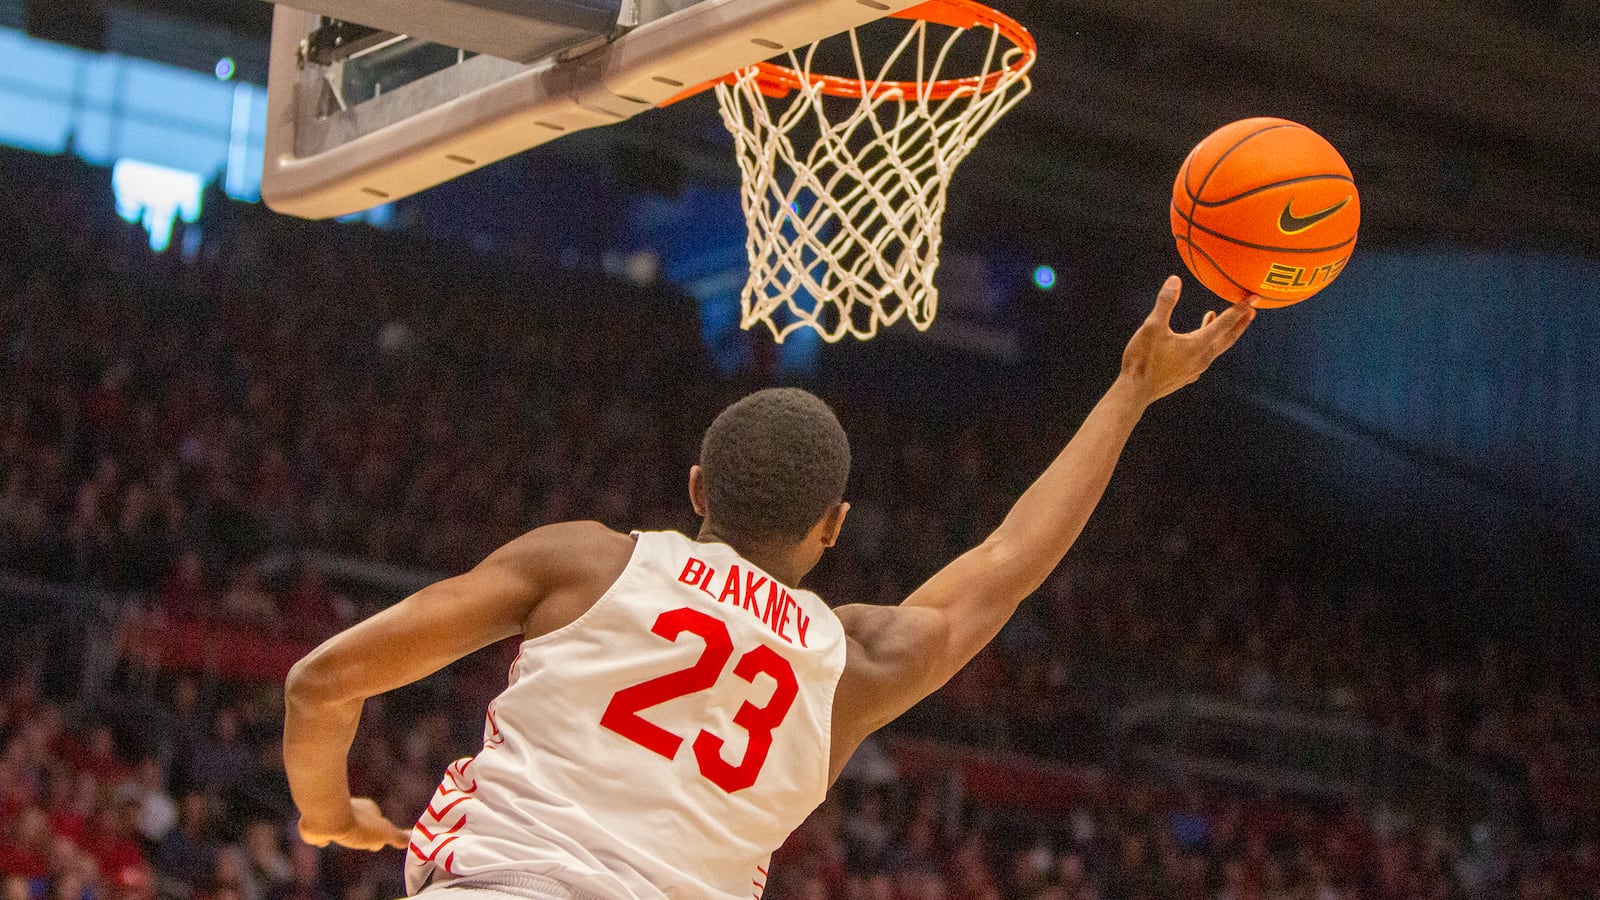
<point>366,829</point>
<point>1159,360</point>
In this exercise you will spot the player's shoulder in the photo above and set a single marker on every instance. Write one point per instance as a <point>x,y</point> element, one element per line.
<point>886,635</point>
<point>569,565</point>
<point>568,546</point>
<point>885,646</point>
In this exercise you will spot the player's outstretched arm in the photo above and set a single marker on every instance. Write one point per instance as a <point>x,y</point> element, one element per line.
<point>904,653</point>
<point>406,642</point>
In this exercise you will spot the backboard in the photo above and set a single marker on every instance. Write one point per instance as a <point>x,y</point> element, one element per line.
<point>370,101</point>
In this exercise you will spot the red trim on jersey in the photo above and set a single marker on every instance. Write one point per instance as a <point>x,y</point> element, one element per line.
<point>429,858</point>
<point>456,772</point>
<point>440,814</point>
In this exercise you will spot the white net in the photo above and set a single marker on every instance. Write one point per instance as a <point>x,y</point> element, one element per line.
<point>844,195</point>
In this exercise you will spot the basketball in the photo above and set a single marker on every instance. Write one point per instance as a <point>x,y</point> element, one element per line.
<point>1265,206</point>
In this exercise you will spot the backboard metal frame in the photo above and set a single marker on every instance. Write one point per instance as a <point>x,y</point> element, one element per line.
<point>487,109</point>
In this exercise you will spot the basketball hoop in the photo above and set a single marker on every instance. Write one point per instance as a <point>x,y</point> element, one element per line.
<point>845,176</point>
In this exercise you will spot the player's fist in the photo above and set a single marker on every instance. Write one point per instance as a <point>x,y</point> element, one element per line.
<point>364,829</point>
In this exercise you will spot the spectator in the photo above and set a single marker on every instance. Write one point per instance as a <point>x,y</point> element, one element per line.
<point>311,609</point>
<point>26,850</point>
<point>232,878</point>
<point>158,812</point>
<point>74,879</point>
<point>220,761</point>
<point>113,841</point>
<point>182,593</point>
<point>97,756</point>
<point>188,853</point>
<point>143,541</point>
<point>270,868</point>
<point>305,881</point>
<point>247,600</point>
<point>69,800</point>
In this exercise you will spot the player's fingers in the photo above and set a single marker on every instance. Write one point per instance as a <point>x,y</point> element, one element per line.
<point>1229,326</point>
<point>1214,323</point>
<point>1229,317</point>
<point>1167,300</point>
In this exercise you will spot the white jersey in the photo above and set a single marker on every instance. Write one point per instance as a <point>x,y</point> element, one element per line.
<point>661,745</point>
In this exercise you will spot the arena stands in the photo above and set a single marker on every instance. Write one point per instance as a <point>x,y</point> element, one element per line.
<point>210,460</point>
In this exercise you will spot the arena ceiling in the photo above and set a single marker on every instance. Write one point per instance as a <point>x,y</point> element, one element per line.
<point>1466,122</point>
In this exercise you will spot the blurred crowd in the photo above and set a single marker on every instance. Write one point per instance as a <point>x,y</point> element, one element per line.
<point>1145,843</point>
<point>189,802</point>
<point>171,422</point>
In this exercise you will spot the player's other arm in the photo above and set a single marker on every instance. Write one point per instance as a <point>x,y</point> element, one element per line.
<point>905,653</point>
<point>407,642</point>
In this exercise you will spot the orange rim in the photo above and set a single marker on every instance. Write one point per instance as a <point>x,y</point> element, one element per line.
<point>777,81</point>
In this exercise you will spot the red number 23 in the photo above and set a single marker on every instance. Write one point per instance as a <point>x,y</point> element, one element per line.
<point>622,714</point>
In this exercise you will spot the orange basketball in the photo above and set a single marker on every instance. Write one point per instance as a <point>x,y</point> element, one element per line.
<point>1266,207</point>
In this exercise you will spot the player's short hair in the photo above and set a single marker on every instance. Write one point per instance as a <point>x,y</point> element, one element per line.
<point>773,464</point>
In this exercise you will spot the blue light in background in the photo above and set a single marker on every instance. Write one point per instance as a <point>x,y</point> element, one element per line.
<point>241,176</point>
<point>103,107</point>
<point>1044,278</point>
<point>380,216</point>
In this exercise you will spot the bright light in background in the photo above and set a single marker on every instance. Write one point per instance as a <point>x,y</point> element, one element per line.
<point>1044,278</point>
<point>155,196</point>
<point>241,177</point>
<point>225,68</point>
<point>103,107</point>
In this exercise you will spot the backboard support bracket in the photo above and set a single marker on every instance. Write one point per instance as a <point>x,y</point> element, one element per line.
<point>321,164</point>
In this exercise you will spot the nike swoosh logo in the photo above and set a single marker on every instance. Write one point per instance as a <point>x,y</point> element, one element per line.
<point>1289,223</point>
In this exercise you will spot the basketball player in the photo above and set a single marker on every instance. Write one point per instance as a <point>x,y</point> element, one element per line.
<point>680,705</point>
